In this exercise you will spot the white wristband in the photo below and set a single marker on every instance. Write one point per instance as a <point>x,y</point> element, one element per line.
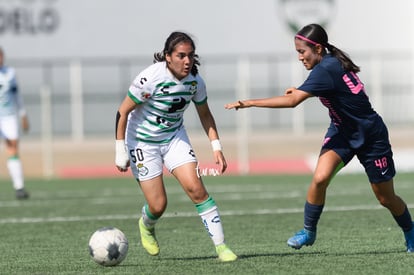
<point>121,154</point>
<point>216,145</point>
<point>120,146</point>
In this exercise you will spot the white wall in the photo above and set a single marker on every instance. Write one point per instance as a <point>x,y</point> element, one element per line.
<point>136,27</point>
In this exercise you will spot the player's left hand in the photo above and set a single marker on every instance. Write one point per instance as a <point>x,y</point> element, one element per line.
<point>220,160</point>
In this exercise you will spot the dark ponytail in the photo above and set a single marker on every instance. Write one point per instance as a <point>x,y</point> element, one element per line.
<point>169,46</point>
<point>315,34</point>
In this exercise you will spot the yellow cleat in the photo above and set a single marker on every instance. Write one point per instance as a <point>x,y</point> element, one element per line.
<point>225,254</point>
<point>148,240</point>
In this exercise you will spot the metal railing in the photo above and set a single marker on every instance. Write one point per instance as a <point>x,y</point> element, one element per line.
<point>84,94</point>
<point>78,98</point>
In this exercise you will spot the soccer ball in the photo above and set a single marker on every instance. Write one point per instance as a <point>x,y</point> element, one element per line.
<point>108,246</point>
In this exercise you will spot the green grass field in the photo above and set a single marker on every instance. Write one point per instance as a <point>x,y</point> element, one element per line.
<point>49,233</point>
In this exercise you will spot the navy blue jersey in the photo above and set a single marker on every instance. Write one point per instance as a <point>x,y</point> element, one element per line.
<point>343,94</point>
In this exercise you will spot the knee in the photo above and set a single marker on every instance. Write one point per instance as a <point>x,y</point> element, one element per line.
<point>198,197</point>
<point>385,201</point>
<point>157,209</point>
<point>197,194</point>
<point>321,180</point>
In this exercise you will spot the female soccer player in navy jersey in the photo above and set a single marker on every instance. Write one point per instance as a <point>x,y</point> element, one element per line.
<point>355,129</point>
<point>150,134</point>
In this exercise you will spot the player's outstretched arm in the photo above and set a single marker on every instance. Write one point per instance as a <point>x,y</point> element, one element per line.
<point>290,99</point>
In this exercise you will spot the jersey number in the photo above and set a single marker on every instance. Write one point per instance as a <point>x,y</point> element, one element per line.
<point>353,82</point>
<point>136,155</point>
<point>381,163</point>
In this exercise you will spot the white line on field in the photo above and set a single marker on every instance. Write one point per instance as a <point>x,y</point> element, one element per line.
<point>185,214</point>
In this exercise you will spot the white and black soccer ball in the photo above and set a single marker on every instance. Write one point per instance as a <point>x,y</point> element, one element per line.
<point>108,246</point>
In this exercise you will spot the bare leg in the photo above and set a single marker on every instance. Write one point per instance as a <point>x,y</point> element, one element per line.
<point>326,168</point>
<point>154,192</point>
<point>14,166</point>
<point>328,164</point>
<point>385,194</point>
<point>206,207</point>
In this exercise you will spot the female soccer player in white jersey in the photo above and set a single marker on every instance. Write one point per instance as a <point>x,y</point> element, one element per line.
<point>150,133</point>
<point>355,129</point>
<point>11,108</point>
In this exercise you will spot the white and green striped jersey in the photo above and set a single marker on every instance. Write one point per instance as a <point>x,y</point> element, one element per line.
<point>9,98</point>
<point>162,100</point>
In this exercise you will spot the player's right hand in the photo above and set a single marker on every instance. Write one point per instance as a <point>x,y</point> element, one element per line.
<point>235,105</point>
<point>121,156</point>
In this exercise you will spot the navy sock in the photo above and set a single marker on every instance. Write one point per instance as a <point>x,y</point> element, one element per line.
<point>311,216</point>
<point>404,221</point>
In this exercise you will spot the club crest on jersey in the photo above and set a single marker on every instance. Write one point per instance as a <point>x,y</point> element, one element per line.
<point>142,170</point>
<point>193,87</point>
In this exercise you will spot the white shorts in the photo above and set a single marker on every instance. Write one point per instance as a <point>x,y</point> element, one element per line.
<point>147,160</point>
<point>9,127</point>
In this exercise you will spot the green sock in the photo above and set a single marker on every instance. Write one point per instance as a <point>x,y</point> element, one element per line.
<point>148,218</point>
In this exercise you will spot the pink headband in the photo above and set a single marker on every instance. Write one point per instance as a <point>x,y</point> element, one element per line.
<point>301,37</point>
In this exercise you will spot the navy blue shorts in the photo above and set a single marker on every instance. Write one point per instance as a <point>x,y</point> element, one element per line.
<point>374,154</point>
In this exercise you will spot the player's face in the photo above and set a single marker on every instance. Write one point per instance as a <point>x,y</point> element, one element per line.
<point>309,56</point>
<point>181,60</point>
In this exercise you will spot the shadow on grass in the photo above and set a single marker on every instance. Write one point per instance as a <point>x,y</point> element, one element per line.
<point>290,254</point>
<point>240,256</point>
<point>385,252</point>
